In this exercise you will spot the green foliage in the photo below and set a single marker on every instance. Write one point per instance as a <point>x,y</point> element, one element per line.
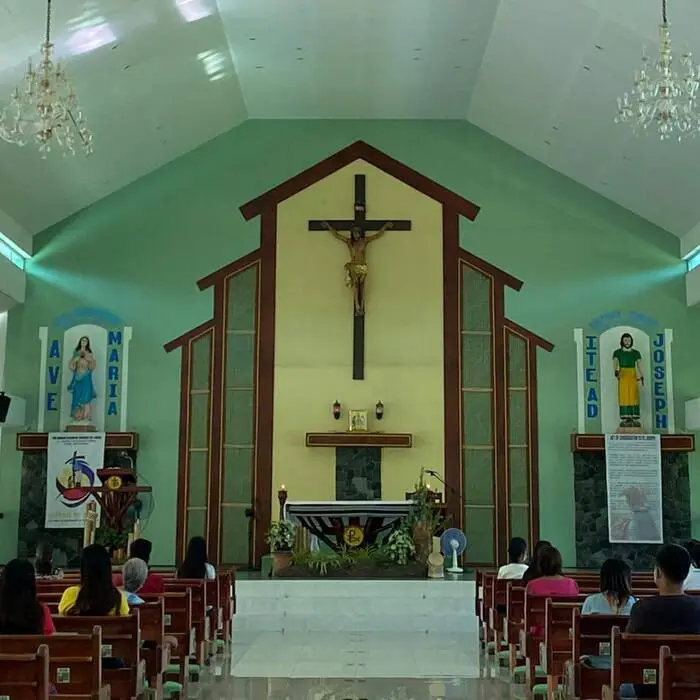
<point>424,509</point>
<point>400,547</point>
<point>281,536</point>
<point>346,558</point>
<point>110,539</point>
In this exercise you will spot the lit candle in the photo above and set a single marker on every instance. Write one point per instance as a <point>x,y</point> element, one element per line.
<point>283,488</point>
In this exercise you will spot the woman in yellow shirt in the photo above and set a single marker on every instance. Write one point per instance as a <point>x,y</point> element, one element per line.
<point>96,595</point>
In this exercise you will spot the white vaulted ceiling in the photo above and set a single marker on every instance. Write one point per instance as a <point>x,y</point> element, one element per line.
<point>542,76</point>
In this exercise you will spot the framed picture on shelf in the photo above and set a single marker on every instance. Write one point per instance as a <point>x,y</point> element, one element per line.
<point>358,421</point>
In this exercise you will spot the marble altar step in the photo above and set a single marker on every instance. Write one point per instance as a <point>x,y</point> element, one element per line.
<point>355,606</point>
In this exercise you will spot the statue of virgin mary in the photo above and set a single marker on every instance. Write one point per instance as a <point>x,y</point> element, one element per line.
<point>82,364</point>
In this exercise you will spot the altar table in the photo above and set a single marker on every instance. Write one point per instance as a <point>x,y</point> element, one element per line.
<point>328,520</point>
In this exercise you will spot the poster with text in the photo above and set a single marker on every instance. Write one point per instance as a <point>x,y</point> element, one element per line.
<point>71,465</point>
<point>633,469</point>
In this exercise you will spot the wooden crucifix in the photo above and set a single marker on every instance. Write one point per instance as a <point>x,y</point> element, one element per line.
<point>357,241</point>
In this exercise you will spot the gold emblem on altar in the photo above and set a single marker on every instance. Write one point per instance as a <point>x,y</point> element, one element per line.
<point>353,536</point>
<point>114,483</point>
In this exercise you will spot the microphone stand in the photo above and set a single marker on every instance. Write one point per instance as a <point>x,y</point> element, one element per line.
<point>450,488</point>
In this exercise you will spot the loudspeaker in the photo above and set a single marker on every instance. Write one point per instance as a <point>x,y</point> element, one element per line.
<point>4,406</point>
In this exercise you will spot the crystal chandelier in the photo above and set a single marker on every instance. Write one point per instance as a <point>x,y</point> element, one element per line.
<point>44,107</point>
<point>660,98</point>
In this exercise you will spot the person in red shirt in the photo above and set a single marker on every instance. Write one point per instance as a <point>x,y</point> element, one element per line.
<point>141,549</point>
<point>20,611</point>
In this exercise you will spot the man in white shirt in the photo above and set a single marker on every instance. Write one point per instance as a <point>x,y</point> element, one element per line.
<point>517,553</point>
<point>692,582</point>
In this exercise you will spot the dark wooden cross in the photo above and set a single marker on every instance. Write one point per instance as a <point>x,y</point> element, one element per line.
<point>359,226</point>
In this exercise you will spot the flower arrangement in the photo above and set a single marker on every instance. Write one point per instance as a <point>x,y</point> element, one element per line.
<point>281,536</point>
<point>399,546</point>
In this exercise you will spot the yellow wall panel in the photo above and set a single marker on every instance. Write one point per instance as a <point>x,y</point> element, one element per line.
<point>313,334</point>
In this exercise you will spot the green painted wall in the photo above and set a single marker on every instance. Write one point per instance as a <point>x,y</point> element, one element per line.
<point>139,252</point>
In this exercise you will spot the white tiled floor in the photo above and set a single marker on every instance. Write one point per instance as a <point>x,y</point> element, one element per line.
<point>355,655</point>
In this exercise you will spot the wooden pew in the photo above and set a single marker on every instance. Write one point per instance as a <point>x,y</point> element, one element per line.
<point>635,657</point>
<point>200,618</point>
<point>555,650</point>
<point>75,661</point>
<point>513,620</point>
<point>535,609</point>
<point>590,636</point>
<point>121,639</point>
<point>679,676</point>
<point>154,651</point>
<point>495,615</point>
<point>489,581</point>
<point>25,676</point>
<point>177,622</point>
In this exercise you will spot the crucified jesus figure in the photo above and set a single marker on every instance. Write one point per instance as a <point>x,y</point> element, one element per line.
<point>356,268</point>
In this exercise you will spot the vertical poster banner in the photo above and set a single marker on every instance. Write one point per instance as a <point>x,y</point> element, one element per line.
<point>72,463</point>
<point>633,467</point>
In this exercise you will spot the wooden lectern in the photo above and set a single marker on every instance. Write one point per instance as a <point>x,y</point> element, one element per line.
<point>117,494</point>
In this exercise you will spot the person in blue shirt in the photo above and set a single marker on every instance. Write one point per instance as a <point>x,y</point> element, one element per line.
<point>615,597</point>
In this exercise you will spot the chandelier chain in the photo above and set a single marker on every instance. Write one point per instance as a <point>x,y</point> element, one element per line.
<point>48,21</point>
<point>664,16</point>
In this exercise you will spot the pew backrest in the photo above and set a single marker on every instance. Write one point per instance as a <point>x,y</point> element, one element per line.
<point>679,675</point>
<point>25,676</point>
<point>75,664</point>
<point>121,639</point>
<point>635,657</point>
<point>591,634</point>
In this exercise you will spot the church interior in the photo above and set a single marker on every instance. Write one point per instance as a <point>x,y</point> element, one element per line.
<point>358,323</point>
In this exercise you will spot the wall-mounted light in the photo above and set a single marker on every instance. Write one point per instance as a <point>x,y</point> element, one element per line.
<point>336,410</point>
<point>379,410</point>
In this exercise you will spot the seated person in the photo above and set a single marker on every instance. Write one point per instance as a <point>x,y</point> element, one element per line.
<point>669,612</point>
<point>134,575</point>
<point>96,595</point>
<point>517,553</point>
<point>43,562</point>
<point>615,597</point>
<point>532,572</point>
<point>141,549</point>
<point>551,583</point>
<point>692,582</point>
<point>20,611</point>
<point>196,563</point>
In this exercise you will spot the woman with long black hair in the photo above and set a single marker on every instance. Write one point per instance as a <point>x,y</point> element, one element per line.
<point>96,595</point>
<point>20,611</point>
<point>196,563</point>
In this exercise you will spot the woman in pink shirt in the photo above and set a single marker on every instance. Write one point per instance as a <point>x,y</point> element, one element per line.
<point>551,583</point>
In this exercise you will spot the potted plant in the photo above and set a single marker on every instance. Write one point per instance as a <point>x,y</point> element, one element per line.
<point>280,538</point>
<point>424,520</point>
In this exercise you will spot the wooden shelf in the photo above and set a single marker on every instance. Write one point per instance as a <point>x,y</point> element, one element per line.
<point>38,442</point>
<point>581,442</point>
<point>359,439</point>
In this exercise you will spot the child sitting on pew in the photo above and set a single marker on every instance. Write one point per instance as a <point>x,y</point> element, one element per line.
<point>96,595</point>
<point>20,611</point>
<point>615,597</point>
